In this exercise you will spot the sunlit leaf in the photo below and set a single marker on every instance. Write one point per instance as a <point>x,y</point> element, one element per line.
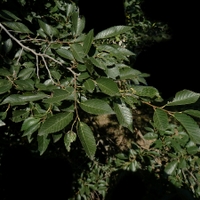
<point>2,123</point>
<point>171,167</point>
<point>30,130</point>
<point>17,26</point>
<point>30,121</point>
<point>16,99</point>
<point>69,137</point>
<point>111,32</point>
<point>184,97</point>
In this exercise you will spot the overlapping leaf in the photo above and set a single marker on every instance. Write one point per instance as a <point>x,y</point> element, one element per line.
<point>58,95</point>
<point>108,86</point>
<point>55,123</point>
<point>48,29</point>
<point>190,126</point>
<point>96,107</point>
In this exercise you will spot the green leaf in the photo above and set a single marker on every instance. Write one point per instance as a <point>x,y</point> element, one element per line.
<point>98,63</point>
<point>112,32</point>
<point>129,73</point>
<point>26,73</point>
<point>69,137</point>
<point>124,116</point>
<point>78,53</point>
<point>89,85</point>
<point>87,139</point>
<point>30,130</point>
<point>27,84</point>
<point>33,97</point>
<point>7,15</point>
<point>160,119</point>
<point>48,29</point>
<point>13,99</point>
<point>150,136</point>
<point>83,76</point>
<point>43,143</point>
<point>113,72</point>
<point>56,137</point>
<point>55,74</point>
<point>58,96</point>
<point>30,121</point>
<point>79,26</point>
<point>70,9</point>
<point>4,72</point>
<point>2,123</point>
<point>87,43</point>
<point>108,86</point>
<point>112,51</point>
<point>8,45</point>
<point>19,115</point>
<point>194,113</point>
<point>184,97</point>
<point>16,99</point>
<point>17,26</point>
<point>5,86</point>
<point>96,107</point>
<point>171,167</point>
<point>55,123</point>
<point>125,52</point>
<point>146,91</point>
<point>64,53</point>
<point>182,164</point>
<point>190,126</point>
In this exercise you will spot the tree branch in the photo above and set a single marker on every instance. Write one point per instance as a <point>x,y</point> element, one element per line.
<point>32,51</point>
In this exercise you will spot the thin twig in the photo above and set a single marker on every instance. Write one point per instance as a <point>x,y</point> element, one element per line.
<point>32,51</point>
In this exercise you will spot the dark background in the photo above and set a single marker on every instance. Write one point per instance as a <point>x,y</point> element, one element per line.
<point>173,64</point>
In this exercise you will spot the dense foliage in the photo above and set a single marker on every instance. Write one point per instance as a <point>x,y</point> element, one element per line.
<point>54,79</point>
